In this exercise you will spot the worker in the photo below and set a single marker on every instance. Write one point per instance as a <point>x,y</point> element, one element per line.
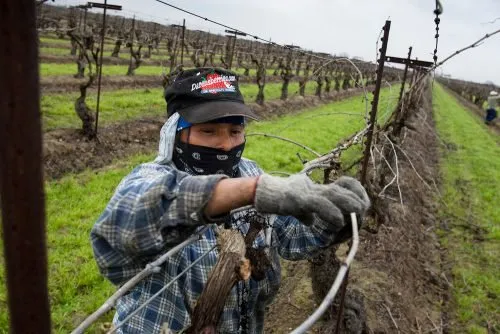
<point>199,178</point>
<point>491,112</point>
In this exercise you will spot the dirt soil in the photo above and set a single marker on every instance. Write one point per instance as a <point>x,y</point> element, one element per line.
<point>68,151</point>
<point>398,279</point>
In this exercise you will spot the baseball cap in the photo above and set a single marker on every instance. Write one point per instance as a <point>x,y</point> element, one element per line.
<point>203,94</point>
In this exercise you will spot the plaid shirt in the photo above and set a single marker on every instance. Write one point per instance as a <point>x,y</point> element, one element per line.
<point>150,212</point>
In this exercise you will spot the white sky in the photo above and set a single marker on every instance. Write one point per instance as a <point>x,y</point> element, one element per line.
<point>349,26</point>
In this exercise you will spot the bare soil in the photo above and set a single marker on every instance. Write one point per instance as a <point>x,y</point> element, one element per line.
<point>69,151</point>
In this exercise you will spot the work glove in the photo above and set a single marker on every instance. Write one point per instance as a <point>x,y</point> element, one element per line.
<point>300,197</point>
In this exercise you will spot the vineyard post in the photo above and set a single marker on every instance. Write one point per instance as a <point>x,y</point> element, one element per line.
<point>234,34</point>
<point>404,75</point>
<point>182,44</point>
<point>85,8</point>
<point>105,6</point>
<point>103,30</point>
<point>21,174</point>
<point>376,94</point>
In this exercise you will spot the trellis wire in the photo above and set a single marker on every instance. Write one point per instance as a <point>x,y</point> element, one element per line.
<point>149,269</point>
<point>161,290</point>
<point>330,296</point>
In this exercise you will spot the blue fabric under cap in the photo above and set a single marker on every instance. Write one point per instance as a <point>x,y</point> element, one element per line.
<point>238,120</point>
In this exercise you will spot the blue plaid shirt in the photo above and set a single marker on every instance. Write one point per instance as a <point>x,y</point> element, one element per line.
<point>156,207</point>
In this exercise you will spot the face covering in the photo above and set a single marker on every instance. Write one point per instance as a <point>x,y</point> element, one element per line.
<point>202,160</point>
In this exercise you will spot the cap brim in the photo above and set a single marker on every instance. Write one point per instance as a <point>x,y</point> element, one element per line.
<point>208,111</point>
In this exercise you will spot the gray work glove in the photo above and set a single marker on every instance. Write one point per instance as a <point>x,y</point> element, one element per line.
<point>300,197</point>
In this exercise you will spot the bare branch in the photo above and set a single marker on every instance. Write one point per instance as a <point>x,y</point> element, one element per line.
<point>473,45</point>
<point>397,170</point>
<point>285,139</point>
<point>277,172</point>
<point>409,160</point>
<point>390,314</point>
<point>334,154</point>
<point>491,22</point>
<point>309,168</point>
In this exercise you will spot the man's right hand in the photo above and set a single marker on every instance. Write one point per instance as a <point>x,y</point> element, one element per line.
<point>300,197</point>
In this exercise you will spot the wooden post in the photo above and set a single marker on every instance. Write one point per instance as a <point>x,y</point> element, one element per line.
<point>21,174</point>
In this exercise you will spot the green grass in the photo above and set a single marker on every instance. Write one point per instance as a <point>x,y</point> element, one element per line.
<point>53,39</point>
<point>50,69</point>
<point>319,128</point>
<point>58,109</point>
<point>75,202</point>
<point>470,170</point>
<point>124,53</point>
<point>75,286</point>
<point>66,41</point>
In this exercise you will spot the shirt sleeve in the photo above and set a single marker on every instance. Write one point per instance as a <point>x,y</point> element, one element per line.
<point>296,241</point>
<point>153,209</point>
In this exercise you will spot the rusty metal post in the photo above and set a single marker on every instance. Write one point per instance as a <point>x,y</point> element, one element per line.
<point>401,92</point>
<point>376,94</point>
<point>103,31</point>
<point>21,177</point>
<point>182,45</point>
<point>85,20</point>
<point>232,52</point>
<point>132,36</point>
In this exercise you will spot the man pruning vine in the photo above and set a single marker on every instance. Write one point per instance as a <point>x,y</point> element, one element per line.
<point>199,178</point>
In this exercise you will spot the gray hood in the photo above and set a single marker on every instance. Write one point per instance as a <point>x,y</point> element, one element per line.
<point>167,140</point>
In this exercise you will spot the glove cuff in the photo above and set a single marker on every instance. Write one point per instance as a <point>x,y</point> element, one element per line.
<point>267,192</point>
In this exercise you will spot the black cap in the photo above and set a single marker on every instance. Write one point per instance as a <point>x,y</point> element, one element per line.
<point>203,94</point>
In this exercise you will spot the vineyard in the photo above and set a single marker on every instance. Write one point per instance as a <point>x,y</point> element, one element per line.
<point>425,260</point>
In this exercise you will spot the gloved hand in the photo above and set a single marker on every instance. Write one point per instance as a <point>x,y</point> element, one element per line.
<point>300,197</point>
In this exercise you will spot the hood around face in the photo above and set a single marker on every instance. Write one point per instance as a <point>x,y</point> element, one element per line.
<point>167,140</point>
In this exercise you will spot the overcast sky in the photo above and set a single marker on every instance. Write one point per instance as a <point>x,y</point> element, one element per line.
<point>349,26</point>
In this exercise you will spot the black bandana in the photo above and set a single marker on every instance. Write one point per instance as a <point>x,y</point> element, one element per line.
<point>202,160</point>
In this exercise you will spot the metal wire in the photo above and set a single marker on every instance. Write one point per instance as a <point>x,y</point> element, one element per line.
<point>150,268</point>
<point>336,284</point>
<point>161,290</point>
<point>269,41</point>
